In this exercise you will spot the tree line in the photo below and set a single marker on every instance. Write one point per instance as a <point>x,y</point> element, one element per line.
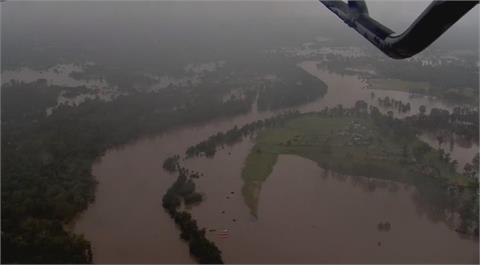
<point>440,195</point>
<point>208,147</point>
<point>183,189</point>
<point>462,121</point>
<point>388,102</point>
<point>432,172</point>
<point>46,160</point>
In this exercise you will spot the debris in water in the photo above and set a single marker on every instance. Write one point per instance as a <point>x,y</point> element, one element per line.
<point>387,226</point>
<point>384,226</point>
<point>380,226</point>
<point>223,234</point>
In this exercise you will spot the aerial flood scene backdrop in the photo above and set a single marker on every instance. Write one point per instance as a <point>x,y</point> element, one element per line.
<point>151,132</point>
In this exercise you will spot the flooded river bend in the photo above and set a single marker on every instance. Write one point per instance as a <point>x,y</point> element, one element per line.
<point>127,224</point>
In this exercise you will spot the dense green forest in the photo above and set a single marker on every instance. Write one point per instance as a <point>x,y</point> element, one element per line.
<point>46,160</point>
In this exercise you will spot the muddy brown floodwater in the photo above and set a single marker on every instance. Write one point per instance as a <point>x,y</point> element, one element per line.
<point>307,215</point>
<point>127,224</point>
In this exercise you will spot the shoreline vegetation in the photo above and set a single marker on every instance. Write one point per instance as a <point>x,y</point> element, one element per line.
<point>414,87</point>
<point>451,81</point>
<point>78,85</point>
<point>361,141</point>
<point>182,193</point>
<point>46,160</point>
<point>452,95</point>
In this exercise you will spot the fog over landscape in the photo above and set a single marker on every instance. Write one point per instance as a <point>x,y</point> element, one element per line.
<point>234,132</point>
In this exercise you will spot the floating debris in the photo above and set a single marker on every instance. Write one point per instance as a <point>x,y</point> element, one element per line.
<point>223,234</point>
<point>380,226</point>
<point>387,226</point>
<point>384,226</point>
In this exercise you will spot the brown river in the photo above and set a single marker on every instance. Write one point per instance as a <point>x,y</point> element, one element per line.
<point>316,218</point>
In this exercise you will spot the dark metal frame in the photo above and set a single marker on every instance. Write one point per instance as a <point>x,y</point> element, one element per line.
<point>430,25</point>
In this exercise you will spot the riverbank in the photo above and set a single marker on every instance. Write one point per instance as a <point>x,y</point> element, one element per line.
<point>325,214</point>
<point>136,169</point>
<point>354,142</point>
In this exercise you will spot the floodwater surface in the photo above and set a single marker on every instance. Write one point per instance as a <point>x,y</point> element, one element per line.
<point>308,215</point>
<point>127,224</point>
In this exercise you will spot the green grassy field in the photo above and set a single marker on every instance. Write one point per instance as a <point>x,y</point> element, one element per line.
<point>347,145</point>
<point>400,85</point>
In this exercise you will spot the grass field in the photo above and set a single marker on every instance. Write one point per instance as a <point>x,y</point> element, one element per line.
<point>400,85</point>
<point>347,145</point>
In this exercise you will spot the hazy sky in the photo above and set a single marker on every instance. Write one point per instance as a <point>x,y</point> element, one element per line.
<point>138,31</point>
<point>397,15</point>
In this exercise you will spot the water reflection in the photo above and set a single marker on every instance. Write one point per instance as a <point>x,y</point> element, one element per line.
<point>460,149</point>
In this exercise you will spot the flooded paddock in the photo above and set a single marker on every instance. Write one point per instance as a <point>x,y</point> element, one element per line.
<point>308,215</point>
<point>305,221</point>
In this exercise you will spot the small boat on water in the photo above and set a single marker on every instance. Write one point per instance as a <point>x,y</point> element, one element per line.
<point>223,233</point>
